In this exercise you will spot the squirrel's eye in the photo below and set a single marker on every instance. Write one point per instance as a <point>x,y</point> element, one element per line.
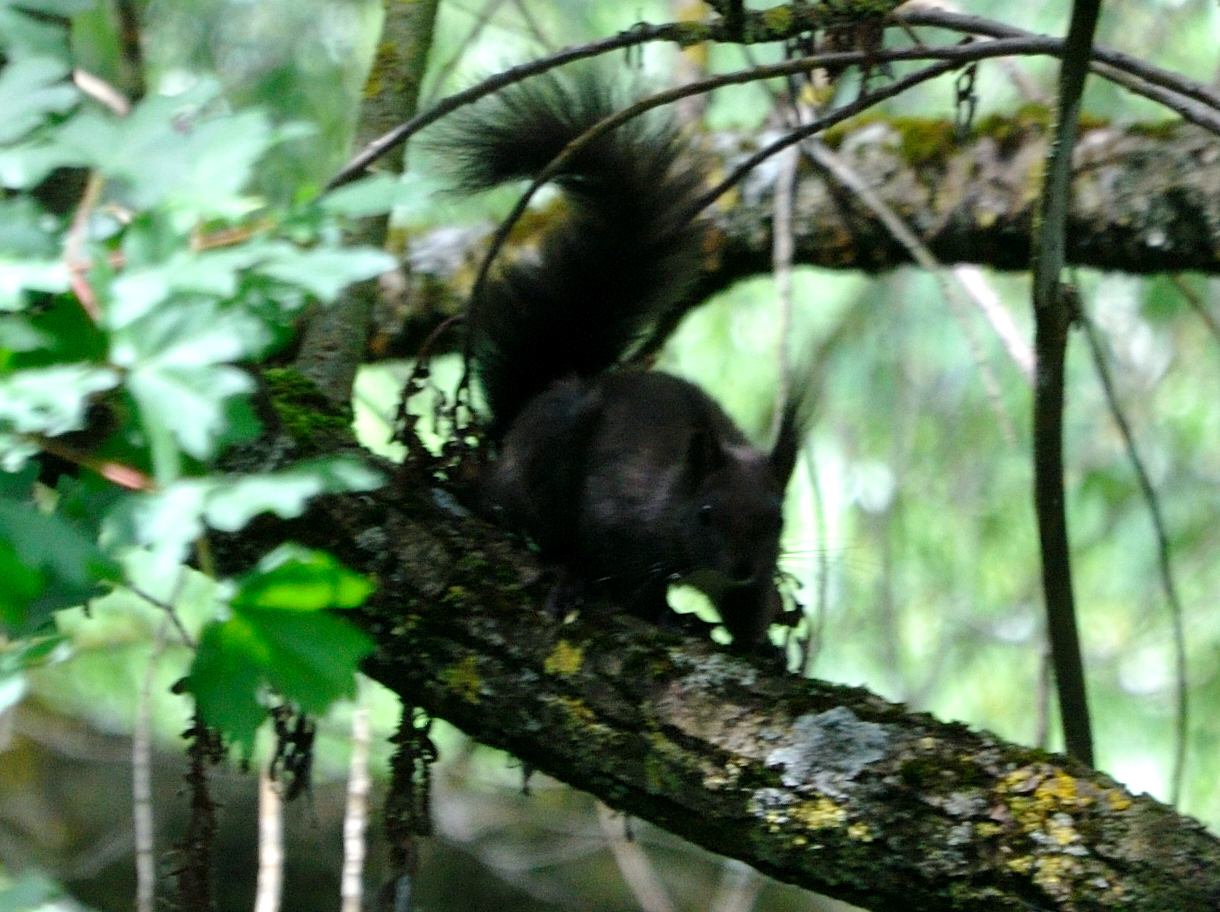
<point>705,514</point>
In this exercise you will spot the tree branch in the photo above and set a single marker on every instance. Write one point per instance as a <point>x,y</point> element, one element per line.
<point>827,787</point>
<point>1143,203</point>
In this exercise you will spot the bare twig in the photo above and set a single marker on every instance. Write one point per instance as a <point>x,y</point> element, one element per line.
<point>171,613</point>
<point>1162,545</point>
<point>1198,305</point>
<point>130,46</point>
<point>957,296</point>
<point>356,815</point>
<point>1052,317</point>
<point>76,262</point>
<point>443,72</point>
<point>270,882</point>
<point>781,268</point>
<point>124,476</point>
<point>141,781</point>
<point>977,25</point>
<point>637,870</point>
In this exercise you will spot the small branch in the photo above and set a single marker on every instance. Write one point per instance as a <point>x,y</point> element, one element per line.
<point>782,248</point>
<point>1162,542</point>
<point>1198,305</point>
<point>171,613</point>
<point>957,296</point>
<point>102,92</point>
<point>141,782</point>
<point>116,472</point>
<point>356,815</point>
<point>633,864</point>
<point>269,887</point>
<point>1052,317</point>
<point>130,47</point>
<point>1149,73</point>
<point>77,264</point>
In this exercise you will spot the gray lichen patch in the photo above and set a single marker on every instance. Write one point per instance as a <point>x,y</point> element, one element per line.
<point>825,751</point>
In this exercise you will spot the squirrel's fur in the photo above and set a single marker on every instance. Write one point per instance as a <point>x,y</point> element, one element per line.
<point>628,479</point>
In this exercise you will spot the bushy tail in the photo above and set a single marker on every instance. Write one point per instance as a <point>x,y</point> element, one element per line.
<point>623,256</point>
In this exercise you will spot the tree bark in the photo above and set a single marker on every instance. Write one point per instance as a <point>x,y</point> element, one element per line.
<point>827,787</point>
<point>1145,199</point>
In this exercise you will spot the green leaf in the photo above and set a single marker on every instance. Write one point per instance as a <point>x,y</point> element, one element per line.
<point>24,36</point>
<point>371,196</point>
<point>178,373</point>
<point>189,401</point>
<point>226,677</point>
<point>30,254</point>
<point>315,657</point>
<point>31,88</point>
<point>171,151</point>
<point>293,578</point>
<point>287,492</point>
<point>217,273</point>
<point>169,520</point>
<point>46,563</point>
<point>325,271</point>
<point>51,400</point>
<point>279,636</point>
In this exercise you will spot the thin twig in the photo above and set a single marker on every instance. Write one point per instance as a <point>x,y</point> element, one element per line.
<point>635,866</point>
<point>269,885</point>
<point>683,33</point>
<point>977,25</point>
<point>782,248</point>
<point>141,781</point>
<point>115,472</point>
<point>957,296</point>
<point>1052,318</point>
<point>73,258</point>
<point>445,70</point>
<point>1162,544</point>
<point>356,814</point>
<point>1198,305</point>
<point>170,612</point>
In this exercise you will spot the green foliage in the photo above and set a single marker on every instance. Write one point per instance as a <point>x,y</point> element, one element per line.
<point>127,331</point>
<point>279,635</point>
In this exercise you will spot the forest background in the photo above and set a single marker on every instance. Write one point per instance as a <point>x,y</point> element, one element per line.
<point>910,525</point>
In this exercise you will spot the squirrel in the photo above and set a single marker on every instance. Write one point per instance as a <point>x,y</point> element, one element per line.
<point>627,479</point>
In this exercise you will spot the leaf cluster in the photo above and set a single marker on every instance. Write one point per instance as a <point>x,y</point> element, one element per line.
<point>130,324</point>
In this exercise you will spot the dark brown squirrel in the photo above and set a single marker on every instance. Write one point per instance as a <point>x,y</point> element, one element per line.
<point>627,479</point>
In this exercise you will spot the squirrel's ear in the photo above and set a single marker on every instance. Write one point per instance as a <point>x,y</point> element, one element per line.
<point>704,455</point>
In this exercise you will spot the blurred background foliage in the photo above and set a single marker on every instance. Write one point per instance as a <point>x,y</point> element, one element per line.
<point>910,524</point>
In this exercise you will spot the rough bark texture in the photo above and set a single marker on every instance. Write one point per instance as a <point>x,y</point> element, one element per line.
<point>335,338</point>
<point>827,787</point>
<point>1144,200</point>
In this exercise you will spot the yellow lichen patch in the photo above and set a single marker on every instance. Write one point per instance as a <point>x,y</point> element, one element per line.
<point>565,659</point>
<point>464,679</point>
<point>577,710</point>
<point>1061,830</point>
<point>1020,864</point>
<point>1117,800</point>
<point>861,832</point>
<point>1056,873</point>
<point>1041,792</point>
<point>987,829</point>
<point>819,814</point>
